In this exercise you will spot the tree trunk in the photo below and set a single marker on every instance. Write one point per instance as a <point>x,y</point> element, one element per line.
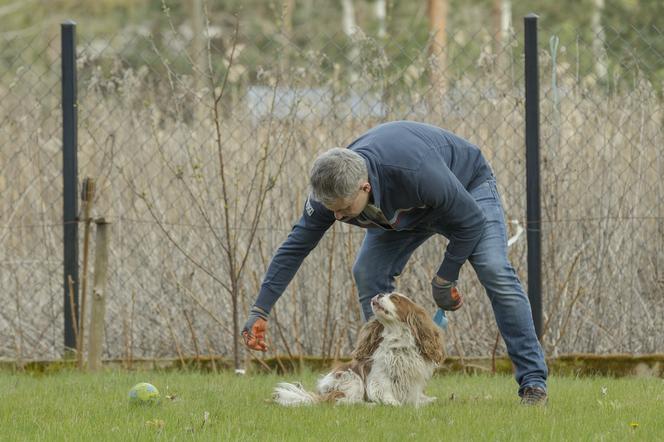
<point>502,23</point>
<point>350,27</point>
<point>438,49</point>
<point>235,295</point>
<point>599,40</point>
<point>287,18</point>
<point>381,13</point>
<point>199,56</point>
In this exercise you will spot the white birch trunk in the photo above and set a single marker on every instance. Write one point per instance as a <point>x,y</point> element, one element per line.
<point>350,28</point>
<point>381,14</point>
<point>502,23</point>
<point>505,20</point>
<point>599,40</point>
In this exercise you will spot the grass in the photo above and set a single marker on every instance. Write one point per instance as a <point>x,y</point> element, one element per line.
<point>74,406</point>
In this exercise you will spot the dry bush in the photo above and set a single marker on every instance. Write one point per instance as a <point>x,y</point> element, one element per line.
<point>149,139</point>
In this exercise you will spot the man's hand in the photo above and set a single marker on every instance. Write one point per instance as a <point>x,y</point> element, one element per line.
<point>445,294</point>
<point>255,329</point>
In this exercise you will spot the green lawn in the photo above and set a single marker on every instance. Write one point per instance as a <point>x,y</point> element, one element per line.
<point>73,406</point>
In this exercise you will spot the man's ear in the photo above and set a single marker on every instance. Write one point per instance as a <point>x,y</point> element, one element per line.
<point>366,187</point>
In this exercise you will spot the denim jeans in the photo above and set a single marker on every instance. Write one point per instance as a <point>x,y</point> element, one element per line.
<point>384,254</point>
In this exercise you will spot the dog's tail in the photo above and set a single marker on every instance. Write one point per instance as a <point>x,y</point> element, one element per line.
<point>293,395</point>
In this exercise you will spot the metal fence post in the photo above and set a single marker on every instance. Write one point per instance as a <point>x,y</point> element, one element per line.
<point>533,208</point>
<point>70,180</point>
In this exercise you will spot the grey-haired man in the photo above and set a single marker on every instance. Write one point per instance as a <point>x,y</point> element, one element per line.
<point>405,182</point>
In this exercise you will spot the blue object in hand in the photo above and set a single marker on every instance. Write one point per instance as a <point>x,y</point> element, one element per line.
<point>440,319</point>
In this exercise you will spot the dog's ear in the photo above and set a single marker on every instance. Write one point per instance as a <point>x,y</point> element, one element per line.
<point>427,335</point>
<point>368,340</point>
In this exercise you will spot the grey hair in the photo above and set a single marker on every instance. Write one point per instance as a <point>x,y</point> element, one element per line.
<point>336,174</point>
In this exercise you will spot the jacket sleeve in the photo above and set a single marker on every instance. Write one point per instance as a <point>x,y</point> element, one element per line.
<point>456,209</point>
<point>302,239</point>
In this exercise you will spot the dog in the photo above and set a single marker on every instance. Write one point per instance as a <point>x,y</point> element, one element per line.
<point>395,356</point>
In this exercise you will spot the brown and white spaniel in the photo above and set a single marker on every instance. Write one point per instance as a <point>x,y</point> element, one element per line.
<point>396,354</point>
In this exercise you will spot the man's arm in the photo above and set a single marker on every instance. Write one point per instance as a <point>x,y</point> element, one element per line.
<point>304,237</point>
<point>453,206</point>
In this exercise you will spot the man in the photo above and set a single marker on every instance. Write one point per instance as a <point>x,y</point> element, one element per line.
<point>405,182</point>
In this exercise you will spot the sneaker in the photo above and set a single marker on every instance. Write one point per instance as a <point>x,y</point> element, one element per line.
<point>533,396</point>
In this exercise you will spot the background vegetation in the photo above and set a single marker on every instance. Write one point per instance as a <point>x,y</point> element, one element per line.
<point>158,119</point>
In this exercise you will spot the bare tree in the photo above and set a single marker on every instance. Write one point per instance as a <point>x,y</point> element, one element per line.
<point>231,222</point>
<point>349,27</point>
<point>287,17</point>
<point>599,39</point>
<point>502,23</point>
<point>198,38</point>
<point>438,47</point>
<point>380,9</point>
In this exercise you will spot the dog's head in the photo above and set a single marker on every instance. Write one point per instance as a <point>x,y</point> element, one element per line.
<point>395,307</point>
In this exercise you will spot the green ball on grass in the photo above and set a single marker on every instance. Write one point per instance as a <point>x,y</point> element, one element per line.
<point>143,393</point>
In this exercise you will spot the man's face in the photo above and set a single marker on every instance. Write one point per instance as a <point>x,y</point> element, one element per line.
<point>345,209</point>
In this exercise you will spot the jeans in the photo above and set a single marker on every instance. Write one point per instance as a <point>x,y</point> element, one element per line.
<point>384,254</point>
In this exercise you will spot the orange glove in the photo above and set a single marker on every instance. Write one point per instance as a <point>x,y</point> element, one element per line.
<point>255,329</point>
<point>445,294</point>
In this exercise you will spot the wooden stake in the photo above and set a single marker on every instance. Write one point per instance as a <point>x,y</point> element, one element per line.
<point>87,197</point>
<point>98,296</point>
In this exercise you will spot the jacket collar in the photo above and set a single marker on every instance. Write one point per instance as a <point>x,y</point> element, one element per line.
<point>373,180</point>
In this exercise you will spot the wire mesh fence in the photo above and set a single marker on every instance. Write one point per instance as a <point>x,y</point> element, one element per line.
<point>201,148</point>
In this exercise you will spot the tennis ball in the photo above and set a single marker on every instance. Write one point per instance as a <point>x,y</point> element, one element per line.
<point>143,393</point>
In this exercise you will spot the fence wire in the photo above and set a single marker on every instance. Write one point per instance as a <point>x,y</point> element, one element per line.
<point>183,169</point>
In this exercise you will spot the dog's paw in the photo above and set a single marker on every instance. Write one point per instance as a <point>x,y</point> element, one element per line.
<point>392,402</point>
<point>425,400</point>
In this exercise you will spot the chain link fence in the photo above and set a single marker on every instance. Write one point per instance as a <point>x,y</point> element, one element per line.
<point>201,148</point>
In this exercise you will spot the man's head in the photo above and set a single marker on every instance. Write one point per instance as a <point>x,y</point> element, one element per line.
<point>339,179</point>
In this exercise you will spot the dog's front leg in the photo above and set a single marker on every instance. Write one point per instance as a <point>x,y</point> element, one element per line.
<point>381,393</point>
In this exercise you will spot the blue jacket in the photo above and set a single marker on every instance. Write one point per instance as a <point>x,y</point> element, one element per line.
<point>420,176</point>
